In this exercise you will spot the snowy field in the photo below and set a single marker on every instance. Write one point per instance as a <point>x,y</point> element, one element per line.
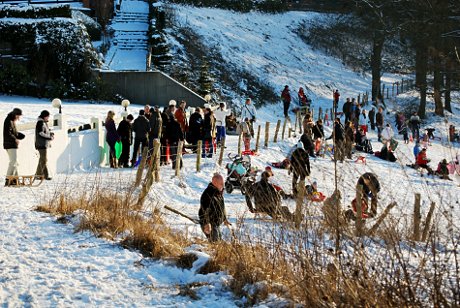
<point>45,264</point>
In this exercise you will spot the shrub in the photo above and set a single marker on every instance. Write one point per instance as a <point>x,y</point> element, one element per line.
<point>13,11</point>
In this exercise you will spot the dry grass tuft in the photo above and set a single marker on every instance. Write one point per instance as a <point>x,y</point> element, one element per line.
<point>186,260</point>
<point>118,217</point>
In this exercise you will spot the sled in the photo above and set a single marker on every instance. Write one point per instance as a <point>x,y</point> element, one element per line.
<point>317,197</point>
<point>118,149</point>
<point>249,152</point>
<point>23,180</point>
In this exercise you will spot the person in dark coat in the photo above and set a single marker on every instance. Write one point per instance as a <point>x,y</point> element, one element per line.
<point>11,138</point>
<point>267,199</point>
<point>318,130</point>
<point>286,98</point>
<point>141,128</point>
<point>195,128</point>
<point>125,131</point>
<point>379,122</point>
<point>362,143</point>
<point>371,115</point>
<point>43,138</point>
<point>300,166</point>
<point>308,144</point>
<point>338,135</point>
<point>111,137</point>
<point>347,110</point>
<point>156,124</point>
<point>212,212</point>
<point>207,132</point>
<point>165,118</point>
<point>175,134</point>
<point>371,188</point>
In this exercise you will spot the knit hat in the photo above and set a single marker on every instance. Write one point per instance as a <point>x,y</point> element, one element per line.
<point>44,114</point>
<point>172,103</point>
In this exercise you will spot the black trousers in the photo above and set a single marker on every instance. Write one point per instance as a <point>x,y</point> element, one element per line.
<point>286,108</point>
<point>124,157</point>
<point>137,143</point>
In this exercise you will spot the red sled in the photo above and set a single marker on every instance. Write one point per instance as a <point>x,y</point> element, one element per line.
<point>363,206</point>
<point>249,152</point>
<point>318,197</point>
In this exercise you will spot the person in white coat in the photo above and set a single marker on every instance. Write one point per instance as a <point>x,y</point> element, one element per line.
<point>248,111</point>
<point>221,114</point>
<point>387,135</point>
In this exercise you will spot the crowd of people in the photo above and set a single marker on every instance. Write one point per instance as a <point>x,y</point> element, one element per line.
<point>209,125</point>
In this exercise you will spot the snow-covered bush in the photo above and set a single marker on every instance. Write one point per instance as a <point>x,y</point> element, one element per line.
<point>35,11</point>
<point>57,49</point>
<point>93,28</point>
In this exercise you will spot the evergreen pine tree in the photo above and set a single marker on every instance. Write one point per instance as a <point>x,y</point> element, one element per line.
<point>205,81</point>
<point>161,58</point>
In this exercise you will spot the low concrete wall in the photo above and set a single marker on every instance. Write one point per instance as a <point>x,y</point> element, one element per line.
<point>153,88</point>
<point>68,153</point>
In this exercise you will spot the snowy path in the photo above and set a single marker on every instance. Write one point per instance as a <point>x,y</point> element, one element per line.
<point>43,263</point>
<point>129,48</point>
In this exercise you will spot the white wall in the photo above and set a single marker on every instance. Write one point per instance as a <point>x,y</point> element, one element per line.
<point>69,152</point>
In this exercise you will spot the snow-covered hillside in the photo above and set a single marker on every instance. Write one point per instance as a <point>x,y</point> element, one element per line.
<point>45,264</point>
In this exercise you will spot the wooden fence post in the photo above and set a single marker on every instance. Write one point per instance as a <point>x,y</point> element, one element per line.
<point>199,150</point>
<point>299,115</point>
<point>296,119</point>
<point>156,159</point>
<point>416,236</point>
<point>284,128</point>
<point>402,85</point>
<point>426,228</point>
<point>257,138</point>
<point>359,98</point>
<point>393,90</point>
<point>267,134</point>
<point>320,113</point>
<point>140,168</point>
<point>299,202</point>
<point>359,211</point>
<point>221,154</point>
<point>397,88</point>
<point>179,157</point>
<point>289,132</point>
<point>275,138</point>
<point>388,93</point>
<point>240,141</point>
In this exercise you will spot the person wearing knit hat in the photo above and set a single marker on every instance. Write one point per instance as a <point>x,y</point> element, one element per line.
<point>43,137</point>
<point>11,138</point>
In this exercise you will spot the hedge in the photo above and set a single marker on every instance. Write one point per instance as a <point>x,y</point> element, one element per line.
<point>13,11</point>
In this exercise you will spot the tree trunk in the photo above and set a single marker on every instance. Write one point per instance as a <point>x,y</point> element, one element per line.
<point>439,108</point>
<point>420,77</point>
<point>376,63</point>
<point>447,98</point>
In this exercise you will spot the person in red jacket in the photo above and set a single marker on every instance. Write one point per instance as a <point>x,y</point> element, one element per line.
<point>181,117</point>
<point>286,98</point>
<point>422,161</point>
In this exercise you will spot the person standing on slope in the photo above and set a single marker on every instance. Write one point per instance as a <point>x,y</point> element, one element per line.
<point>221,114</point>
<point>212,212</point>
<point>286,98</point>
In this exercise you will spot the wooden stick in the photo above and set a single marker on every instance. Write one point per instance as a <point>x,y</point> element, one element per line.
<point>267,134</point>
<point>359,211</point>
<point>258,138</point>
<point>194,220</point>
<point>278,124</point>
<point>381,218</point>
<point>140,169</point>
<point>417,217</point>
<point>179,157</point>
<point>289,132</point>
<point>221,154</point>
<point>198,155</point>
<point>427,226</point>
